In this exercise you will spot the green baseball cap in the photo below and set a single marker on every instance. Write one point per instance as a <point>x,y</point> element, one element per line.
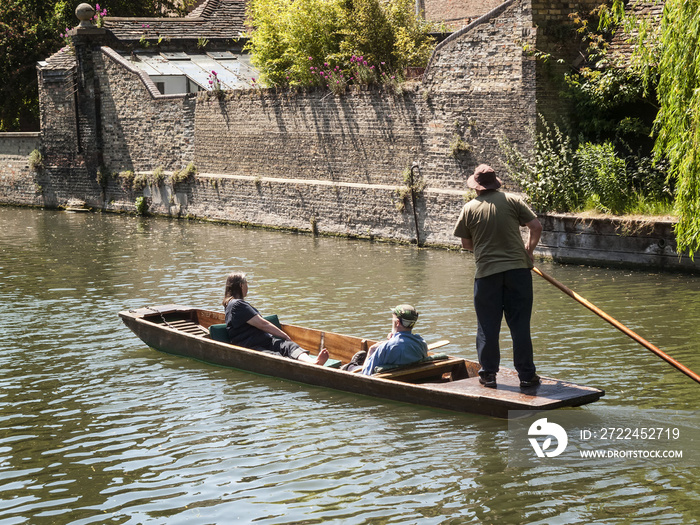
<point>406,312</point>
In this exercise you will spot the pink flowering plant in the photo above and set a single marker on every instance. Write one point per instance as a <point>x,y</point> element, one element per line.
<point>100,13</point>
<point>215,84</point>
<point>359,72</point>
<point>332,77</point>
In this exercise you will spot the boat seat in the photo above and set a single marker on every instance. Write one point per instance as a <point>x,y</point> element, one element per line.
<point>429,359</point>
<point>426,369</point>
<point>218,331</point>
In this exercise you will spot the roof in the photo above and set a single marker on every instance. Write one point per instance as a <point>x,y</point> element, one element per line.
<point>233,70</point>
<point>213,19</point>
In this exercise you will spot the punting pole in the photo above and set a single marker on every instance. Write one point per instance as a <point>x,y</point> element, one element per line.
<point>687,371</point>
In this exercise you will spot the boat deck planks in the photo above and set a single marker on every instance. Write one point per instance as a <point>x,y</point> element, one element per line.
<point>450,384</point>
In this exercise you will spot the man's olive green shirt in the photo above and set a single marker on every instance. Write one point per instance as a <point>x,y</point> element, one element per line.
<point>492,221</point>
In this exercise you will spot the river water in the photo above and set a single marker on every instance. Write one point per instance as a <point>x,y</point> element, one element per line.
<point>98,428</point>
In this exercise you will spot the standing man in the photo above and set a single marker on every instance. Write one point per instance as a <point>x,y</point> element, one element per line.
<point>489,225</point>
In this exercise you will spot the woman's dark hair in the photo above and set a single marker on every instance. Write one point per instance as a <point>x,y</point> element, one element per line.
<point>234,287</point>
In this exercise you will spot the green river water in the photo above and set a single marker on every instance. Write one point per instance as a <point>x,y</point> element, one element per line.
<point>98,428</point>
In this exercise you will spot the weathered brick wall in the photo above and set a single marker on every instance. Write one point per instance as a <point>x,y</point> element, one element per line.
<point>457,13</point>
<point>556,35</point>
<point>297,159</point>
<point>17,181</point>
<point>483,82</point>
<point>365,136</point>
<point>140,131</point>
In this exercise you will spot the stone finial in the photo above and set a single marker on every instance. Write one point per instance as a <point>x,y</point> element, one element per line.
<point>85,12</point>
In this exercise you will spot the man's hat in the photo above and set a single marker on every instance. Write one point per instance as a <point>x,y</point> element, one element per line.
<point>407,313</point>
<point>484,178</point>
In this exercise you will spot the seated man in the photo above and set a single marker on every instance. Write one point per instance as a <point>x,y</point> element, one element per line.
<point>402,346</point>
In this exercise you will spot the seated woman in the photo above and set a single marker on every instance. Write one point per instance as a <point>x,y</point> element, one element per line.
<point>247,328</point>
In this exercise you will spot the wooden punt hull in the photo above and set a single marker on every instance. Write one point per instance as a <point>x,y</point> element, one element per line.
<point>451,384</point>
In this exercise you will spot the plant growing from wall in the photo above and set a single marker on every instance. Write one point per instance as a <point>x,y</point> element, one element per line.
<point>184,175</point>
<point>126,179</point>
<point>412,189</point>
<point>158,176</point>
<point>458,146</point>
<point>100,13</point>
<point>141,204</point>
<point>36,161</point>
<point>215,85</point>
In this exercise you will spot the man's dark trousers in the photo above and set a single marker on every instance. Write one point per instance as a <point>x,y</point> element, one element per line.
<point>507,293</point>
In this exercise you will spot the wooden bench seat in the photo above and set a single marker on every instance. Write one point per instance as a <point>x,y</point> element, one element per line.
<point>455,366</point>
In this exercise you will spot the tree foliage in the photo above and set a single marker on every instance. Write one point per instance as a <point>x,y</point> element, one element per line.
<point>30,31</point>
<point>669,58</point>
<point>293,36</point>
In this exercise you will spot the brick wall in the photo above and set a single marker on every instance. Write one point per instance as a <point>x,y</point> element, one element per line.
<point>292,158</point>
<point>18,182</point>
<point>456,14</point>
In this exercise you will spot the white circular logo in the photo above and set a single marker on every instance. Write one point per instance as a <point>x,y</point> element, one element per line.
<point>542,427</point>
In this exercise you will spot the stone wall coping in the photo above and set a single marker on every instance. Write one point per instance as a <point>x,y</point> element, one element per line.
<point>19,134</point>
<point>610,219</point>
<point>319,182</point>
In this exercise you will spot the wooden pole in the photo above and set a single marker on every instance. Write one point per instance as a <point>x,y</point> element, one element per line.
<point>618,325</point>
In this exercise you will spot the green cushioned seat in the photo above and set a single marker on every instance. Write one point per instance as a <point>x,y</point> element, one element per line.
<point>274,320</point>
<point>218,332</point>
<point>333,363</point>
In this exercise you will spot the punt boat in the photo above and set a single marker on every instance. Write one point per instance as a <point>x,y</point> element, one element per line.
<point>442,381</point>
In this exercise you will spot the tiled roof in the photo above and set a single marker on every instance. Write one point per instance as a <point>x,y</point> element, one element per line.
<point>62,60</point>
<point>213,19</point>
<point>623,44</point>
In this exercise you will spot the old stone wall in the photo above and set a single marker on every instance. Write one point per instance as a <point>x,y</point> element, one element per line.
<point>613,241</point>
<point>456,14</point>
<point>307,160</point>
<point>17,181</point>
<point>141,129</point>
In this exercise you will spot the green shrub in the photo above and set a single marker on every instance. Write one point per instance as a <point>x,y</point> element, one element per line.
<point>594,176</point>
<point>603,177</point>
<point>304,42</point>
<point>550,180</point>
<point>36,161</point>
<point>141,205</point>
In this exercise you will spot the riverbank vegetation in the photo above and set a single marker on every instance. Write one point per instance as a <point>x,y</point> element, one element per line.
<point>630,144</point>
